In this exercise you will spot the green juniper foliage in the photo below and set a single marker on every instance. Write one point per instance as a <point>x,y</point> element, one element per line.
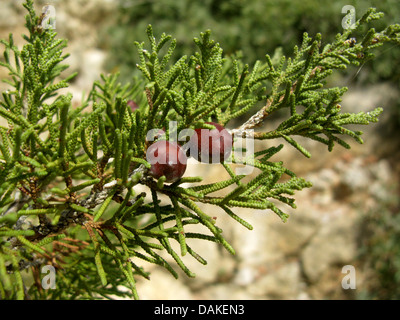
<point>68,176</point>
<point>249,27</point>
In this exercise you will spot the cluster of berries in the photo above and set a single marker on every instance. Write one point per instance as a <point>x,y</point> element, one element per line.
<point>169,158</point>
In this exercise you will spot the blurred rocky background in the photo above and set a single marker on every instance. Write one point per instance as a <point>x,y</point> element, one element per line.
<point>350,216</point>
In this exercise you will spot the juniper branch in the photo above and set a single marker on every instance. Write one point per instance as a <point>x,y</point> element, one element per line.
<point>75,169</point>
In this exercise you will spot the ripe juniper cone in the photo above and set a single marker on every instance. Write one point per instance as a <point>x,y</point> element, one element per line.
<point>211,146</point>
<point>133,105</point>
<point>167,159</point>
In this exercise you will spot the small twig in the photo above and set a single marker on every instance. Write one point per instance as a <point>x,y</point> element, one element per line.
<point>257,119</point>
